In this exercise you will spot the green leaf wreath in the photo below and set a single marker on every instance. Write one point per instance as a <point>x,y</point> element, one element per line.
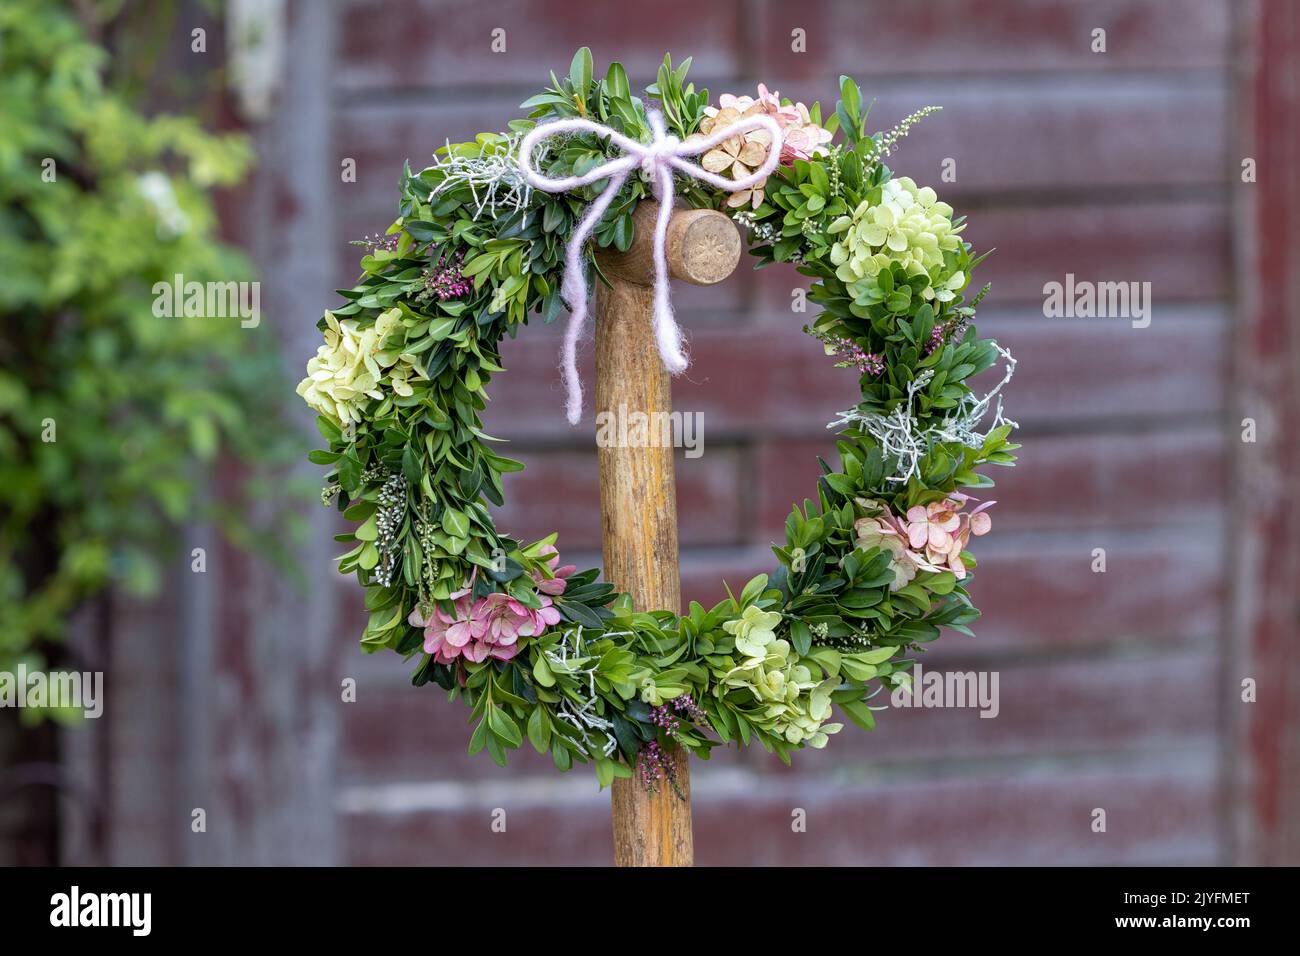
<point>873,566</point>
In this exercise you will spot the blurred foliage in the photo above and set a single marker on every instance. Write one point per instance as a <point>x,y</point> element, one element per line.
<point>110,417</point>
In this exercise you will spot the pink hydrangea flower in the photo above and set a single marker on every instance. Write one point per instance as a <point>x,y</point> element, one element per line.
<point>555,584</point>
<point>800,137</point>
<point>771,103</point>
<point>974,522</point>
<point>931,526</point>
<point>929,537</point>
<point>478,629</point>
<point>947,530</point>
<point>887,532</point>
<point>447,635</point>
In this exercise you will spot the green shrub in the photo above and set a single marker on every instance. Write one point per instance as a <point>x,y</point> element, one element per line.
<point>110,416</point>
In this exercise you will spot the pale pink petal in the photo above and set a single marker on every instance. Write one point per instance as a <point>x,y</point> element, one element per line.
<point>797,139</point>
<point>938,539</point>
<point>917,534</point>
<point>505,629</point>
<point>504,652</point>
<point>459,634</point>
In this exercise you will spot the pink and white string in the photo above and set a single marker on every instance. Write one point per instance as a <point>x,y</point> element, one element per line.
<point>658,159</point>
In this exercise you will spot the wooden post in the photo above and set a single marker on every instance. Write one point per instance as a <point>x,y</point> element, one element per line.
<point>638,497</point>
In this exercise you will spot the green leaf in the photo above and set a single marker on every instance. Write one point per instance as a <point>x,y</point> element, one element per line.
<point>369,557</point>
<point>542,672</point>
<point>756,586</point>
<point>455,523</point>
<point>942,583</point>
<point>504,726</point>
<point>859,713</point>
<point>801,637</point>
<point>349,472</point>
<point>616,81</point>
<point>539,730</point>
<point>479,738</point>
<point>877,655</point>
<point>410,464</point>
<point>580,72</point>
<point>850,95</point>
<point>328,430</point>
<point>604,772</point>
<point>421,231</point>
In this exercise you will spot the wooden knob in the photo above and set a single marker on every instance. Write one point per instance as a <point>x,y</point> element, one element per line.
<point>703,247</point>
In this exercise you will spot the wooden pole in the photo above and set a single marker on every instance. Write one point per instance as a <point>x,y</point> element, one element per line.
<point>638,497</point>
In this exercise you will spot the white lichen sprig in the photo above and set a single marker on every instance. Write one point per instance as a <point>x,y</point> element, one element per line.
<point>582,715</point>
<point>897,433</point>
<point>493,177</point>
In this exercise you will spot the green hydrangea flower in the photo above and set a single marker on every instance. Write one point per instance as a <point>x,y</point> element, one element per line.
<point>754,630</point>
<point>790,702</point>
<point>909,225</point>
<point>352,367</point>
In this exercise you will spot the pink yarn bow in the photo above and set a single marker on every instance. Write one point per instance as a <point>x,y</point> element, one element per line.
<point>657,158</point>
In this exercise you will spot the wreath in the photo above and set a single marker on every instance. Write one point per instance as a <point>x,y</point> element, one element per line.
<point>873,566</point>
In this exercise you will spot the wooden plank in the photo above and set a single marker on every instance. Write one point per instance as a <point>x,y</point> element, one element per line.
<point>1105,702</point>
<point>975,36</point>
<point>1087,134</point>
<point>1125,700</point>
<point>1076,371</point>
<point>262,761</point>
<point>1263,785</point>
<point>1063,483</point>
<point>435,43</point>
<point>400,44</point>
<point>1040,591</point>
<point>1180,247</point>
<point>1159,810</point>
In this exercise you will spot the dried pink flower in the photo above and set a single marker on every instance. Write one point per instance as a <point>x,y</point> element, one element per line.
<point>555,584</point>
<point>929,537</point>
<point>476,630</point>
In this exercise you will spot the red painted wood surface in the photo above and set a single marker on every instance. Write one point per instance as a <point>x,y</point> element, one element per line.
<point>1107,166</point>
<point>1118,690</point>
<point>1263,787</point>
